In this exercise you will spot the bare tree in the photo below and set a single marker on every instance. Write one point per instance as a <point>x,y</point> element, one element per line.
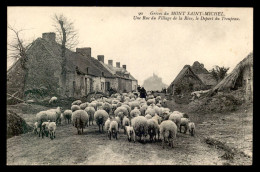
<point>67,37</point>
<point>18,47</point>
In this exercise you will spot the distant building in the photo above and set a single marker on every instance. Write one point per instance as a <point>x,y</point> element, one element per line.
<point>154,83</point>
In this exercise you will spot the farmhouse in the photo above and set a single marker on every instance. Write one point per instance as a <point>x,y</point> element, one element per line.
<point>240,77</point>
<point>84,74</point>
<point>185,81</point>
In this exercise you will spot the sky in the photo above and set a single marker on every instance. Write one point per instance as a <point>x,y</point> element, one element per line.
<point>146,46</point>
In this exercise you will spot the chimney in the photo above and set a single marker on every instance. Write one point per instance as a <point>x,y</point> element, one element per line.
<point>118,64</point>
<point>86,51</point>
<point>110,62</point>
<point>50,37</point>
<point>124,66</point>
<point>101,58</point>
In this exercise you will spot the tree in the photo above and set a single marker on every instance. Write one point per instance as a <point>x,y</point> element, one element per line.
<point>219,73</point>
<point>17,47</point>
<point>67,37</point>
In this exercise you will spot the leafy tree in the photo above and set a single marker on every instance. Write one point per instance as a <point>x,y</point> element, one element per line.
<point>219,73</point>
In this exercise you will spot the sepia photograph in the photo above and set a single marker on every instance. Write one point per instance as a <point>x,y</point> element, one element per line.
<point>129,85</point>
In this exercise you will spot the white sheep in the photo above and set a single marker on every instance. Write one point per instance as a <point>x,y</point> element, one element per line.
<point>75,107</point>
<point>140,127</point>
<point>191,127</point>
<point>150,110</point>
<point>107,107</point>
<point>53,100</point>
<point>77,102</point>
<point>157,118</point>
<point>176,118</point>
<point>118,120</point>
<point>67,115</point>
<point>83,105</point>
<point>91,111</point>
<point>157,99</point>
<point>80,120</point>
<point>130,133</point>
<point>107,125</point>
<point>121,112</point>
<point>150,101</point>
<point>135,112</point>
<point>134,104</point>
<point>54,115</point>
<point>126,122</point>
<point>113,129</point>
<point>148,116</point>
<point>143,109</point>
<point>92,99</point>
<point>168,131</point>
<point>127,107</point>
<point>41,117</point>
<point>52,129</point>
<point>153,129</point>
<point>100,117</point>
<point>184,122</point>
<point>93,104</point>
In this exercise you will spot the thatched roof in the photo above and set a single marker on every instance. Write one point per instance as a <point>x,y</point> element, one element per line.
<point>182,74</point>
<point>230,80</point>
<point>207,79</point>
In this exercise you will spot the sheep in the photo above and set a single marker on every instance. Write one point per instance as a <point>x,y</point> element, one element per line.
<point>36,126</point>
<point>53,100</point>
<point>153,129</point>
<point>77,102</point>
<point>54,115</point>
<point>118,120</point>
<point>107,107</point>
<point>140,127</point>
<point>93,104</point>
<point>150,97</point>
<point>75,107</point>
<point>150,111</point>
<point>80,119</point>
<point>191,127</point>
<point>83,105</point>
<point>127,107</point>
<point>158,110</point>
<point>157,99</point>
<point>126,122</point>
<point>168,131</point>
<point>150,101</point>
<point>143,109</point>
<point>184,122</point>
<point>99,104</point>
<point>176,118</point>
<point>45,130</point>
<point>67,115</point>
<point>130,133</point>
<point>135,112</point>
<point>159,105</point>
<point>113,129</point>
<point>134,104</point>
<point>91,111</point>
<point>157,118</point>
<point>52,129</point>
<point>107,125</point>
<point>92,99</point>
<point>119,104</point>
<point>148,116</point>
<point>100,117</point>
<point>124,112</point>
<point>41,117</point>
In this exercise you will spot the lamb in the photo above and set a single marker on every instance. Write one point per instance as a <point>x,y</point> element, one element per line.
<point>135,112</point>
<point>52,129</point>
<point>113,129</point>
<point>75,107</point>
<point>91,111</point>
<point>45,130</point>
<point>36,126</point>
<point>67,115</point>
<point>118,120</point>
<point>168,131</point>
<point>77,102</point>
<point>107,125</point>
<point>158,110</point>
<point>83,105</point>
<point>191,127</point>
<point>143,109</point>
<point>53,100</point>
<point>148,116</point>
<point>80,119</point>
<point>140,127</point>
<point>157,118</point>
<point>100,117</point>
<point>130,133</point>
<point>126,122</point>
<point>124,112</point>
<point>153,129</point>
<point>184,122</point>
<point>41,117</point>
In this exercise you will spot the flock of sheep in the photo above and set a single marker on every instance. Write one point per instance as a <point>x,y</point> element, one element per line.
<point>137,117</point>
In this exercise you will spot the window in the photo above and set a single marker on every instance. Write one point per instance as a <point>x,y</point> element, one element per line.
<point>87,70</point>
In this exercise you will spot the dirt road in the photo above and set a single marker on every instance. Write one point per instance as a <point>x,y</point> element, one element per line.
<point>94,148</point>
